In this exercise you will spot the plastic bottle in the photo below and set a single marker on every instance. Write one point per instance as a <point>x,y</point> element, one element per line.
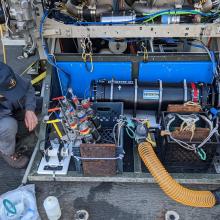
<point>52,208</point>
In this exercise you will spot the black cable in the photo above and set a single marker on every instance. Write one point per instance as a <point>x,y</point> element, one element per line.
<point>43,5</point>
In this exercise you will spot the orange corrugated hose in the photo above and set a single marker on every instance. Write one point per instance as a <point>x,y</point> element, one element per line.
<point>174,190</point>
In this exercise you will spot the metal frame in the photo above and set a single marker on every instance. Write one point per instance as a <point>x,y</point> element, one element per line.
<point>133,177</point>
<point>54,29</point>
<point>156,57</point>
<point>46,87</point>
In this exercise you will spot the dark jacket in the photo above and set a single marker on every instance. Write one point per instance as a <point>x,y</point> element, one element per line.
<point>27,102</point>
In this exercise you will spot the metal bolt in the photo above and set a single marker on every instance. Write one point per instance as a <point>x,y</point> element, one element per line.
<point>82,215</point>
<point>172,215</point>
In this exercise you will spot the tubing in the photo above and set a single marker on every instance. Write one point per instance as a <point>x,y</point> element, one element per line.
<point>101,9</point>
<point>174,190</point>
<point>77,10</point>
<point>207,6</point>
<point>153,6</point>
<point>144,8</point>
<point>169,3</point>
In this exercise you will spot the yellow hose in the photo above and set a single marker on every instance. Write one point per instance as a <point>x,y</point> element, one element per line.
<point>174,190</point>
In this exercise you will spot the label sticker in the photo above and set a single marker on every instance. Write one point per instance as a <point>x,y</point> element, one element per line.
<point>151,94</point>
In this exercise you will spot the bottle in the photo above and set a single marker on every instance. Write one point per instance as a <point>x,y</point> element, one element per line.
<point>52,208</point>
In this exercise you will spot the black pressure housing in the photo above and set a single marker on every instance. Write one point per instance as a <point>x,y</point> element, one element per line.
<point>148,95</point>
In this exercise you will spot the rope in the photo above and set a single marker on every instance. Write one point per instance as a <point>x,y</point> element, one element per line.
<point>190,103</point>
<point>3,46</point>
<point>192,147</point>
<point>189,123</point>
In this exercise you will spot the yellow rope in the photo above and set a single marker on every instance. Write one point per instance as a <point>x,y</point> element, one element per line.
<point>38,78</point>
<point>28,68</point>
<point>191,127</point>
<point>3,46</point>
<point>193,104</point>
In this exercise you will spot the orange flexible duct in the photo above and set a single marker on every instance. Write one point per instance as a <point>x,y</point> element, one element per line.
<point>174,190</point>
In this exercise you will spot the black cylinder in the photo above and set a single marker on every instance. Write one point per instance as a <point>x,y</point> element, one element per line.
<point>149,96</point>
<point>87,15</point>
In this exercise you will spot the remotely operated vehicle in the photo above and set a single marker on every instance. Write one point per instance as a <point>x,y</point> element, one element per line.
<point>132,91</point>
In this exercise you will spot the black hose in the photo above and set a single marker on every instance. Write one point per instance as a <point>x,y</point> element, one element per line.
<point>86,12</point>
<point>130,2</point>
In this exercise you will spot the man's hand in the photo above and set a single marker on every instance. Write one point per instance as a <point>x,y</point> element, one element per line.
<point>30,120</point>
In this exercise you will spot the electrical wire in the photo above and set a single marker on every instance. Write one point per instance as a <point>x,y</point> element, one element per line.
<point>149,16</point>
<point>118,125</point>
<point>211,56</point>
<point>45,48</point>
<point>170,13</point>
<point>124,122</point>
<point>43,19</point>
<point>144,19</point>
<point>29,67</point>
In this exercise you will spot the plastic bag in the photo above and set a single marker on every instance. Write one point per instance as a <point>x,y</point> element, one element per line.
<point>19,204</point>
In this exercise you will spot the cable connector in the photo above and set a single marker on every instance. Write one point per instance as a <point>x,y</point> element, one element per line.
<point>141,133</point>
<point>215,112</point>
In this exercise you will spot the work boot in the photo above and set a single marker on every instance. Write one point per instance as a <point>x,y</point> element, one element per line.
<point>16,160</point>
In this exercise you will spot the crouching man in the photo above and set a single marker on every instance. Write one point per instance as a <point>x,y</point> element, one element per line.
<point>16,94</point>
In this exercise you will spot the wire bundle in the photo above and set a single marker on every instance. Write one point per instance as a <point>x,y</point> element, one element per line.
<point>151,16</point>
<point>130,126</point>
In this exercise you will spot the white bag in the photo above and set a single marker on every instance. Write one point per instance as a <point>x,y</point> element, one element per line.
<point>19,204</point>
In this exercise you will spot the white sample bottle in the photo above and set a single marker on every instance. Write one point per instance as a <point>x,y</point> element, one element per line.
<point>52,208</point>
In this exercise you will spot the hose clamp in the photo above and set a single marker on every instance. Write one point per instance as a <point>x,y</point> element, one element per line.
<point>185,91</point>
<point>111,91</point>
<point>172,215</point>
<point>135,93</point>
<point>161,95</point>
